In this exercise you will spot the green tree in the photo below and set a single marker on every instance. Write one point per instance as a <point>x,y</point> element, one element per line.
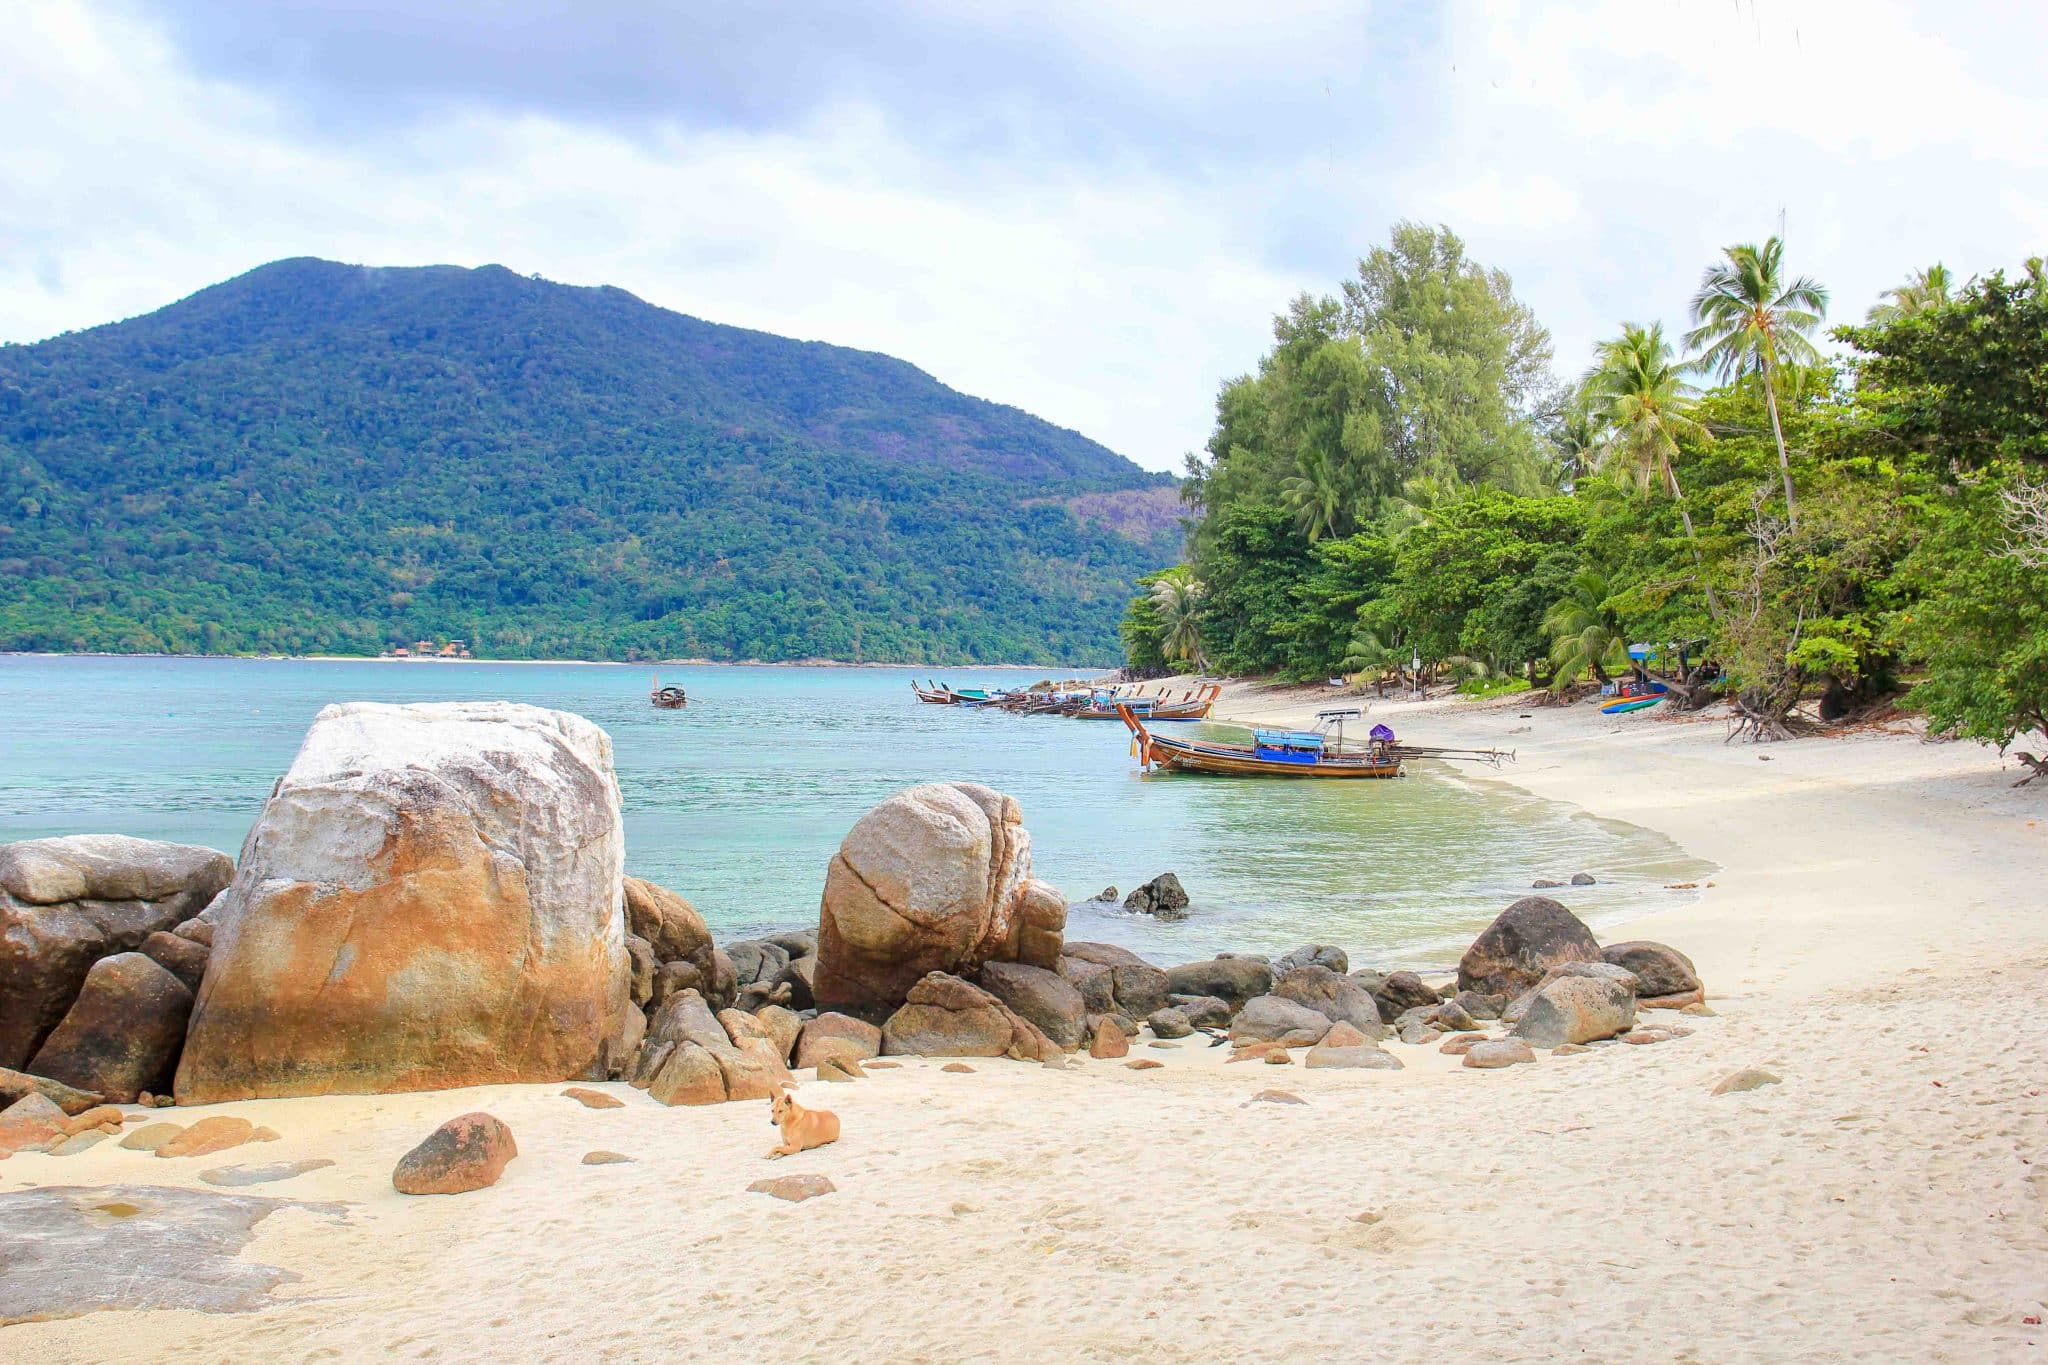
<point>1585,631</point>
<point>1751,321</point>
<point>1177,597</point>
<point>1929,288</point>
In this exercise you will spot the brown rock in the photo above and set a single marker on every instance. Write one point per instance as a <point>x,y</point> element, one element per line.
<point>430,899</point>
<point>105,1115</point>
<point>673,929</point>
<point>794,1188</point>
<point>1577,1009</point>
<point>1335,996</point>
<point>944,1016</point>
<point>15,1085</point>
<point>1233,980</point>
<point>936,878</point>
<point>1460,1043</point>
<point>689,1074</point>
<point>1501,1052</point>
<point>1109,1041</point>
<point>1143,1064</point>
<point>642,967</point>
<point>837,1035</point>
<point>66,903</point>
<point>30,1122</point>
<point>468,1152</point>
<point>593,1099</point>
<point>1660,970</point>
<point>1529,937</point>
<point>181,957</point>
<point>199,931</point>
<point>122,1035</point>
<point>209,1135</point>
<point>958,1068</point>
<point>1272,1017</point>
<point>1047,999</point>
<point>1279,1056</point>
<point>1276,1097</point>
<point>1684,1000</point>
<point>784,1027</point>
<point>1749,1078</point>
<point>151,1136</point>
<point>840,1069</point>
<point>1570,1050</point>
<point>604,1158</point>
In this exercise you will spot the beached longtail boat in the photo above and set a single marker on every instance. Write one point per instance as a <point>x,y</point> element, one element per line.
<point>1272,753</point>
<point>1635,696</point>
<point>1193,705</point>
<point>1295,753</point>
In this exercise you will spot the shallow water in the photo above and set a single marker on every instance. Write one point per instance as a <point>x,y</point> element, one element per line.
<point>739,800</point>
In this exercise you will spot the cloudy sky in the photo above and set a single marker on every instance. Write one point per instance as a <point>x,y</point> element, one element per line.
<point>1090,210</point>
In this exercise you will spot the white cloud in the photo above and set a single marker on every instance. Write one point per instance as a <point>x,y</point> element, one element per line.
<point>1601,153</point>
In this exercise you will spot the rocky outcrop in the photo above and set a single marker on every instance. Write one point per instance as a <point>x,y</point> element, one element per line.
<point>935,879</point>
<point>1163,895</point>
<point>431,898</point>
<point>66,903</point>
<point>674,931</point>
<point>692,1056</point>
<point>1334,996</point>
<point>944,1016</point>
<point>1529,938</point>
<point>15,1085</point>
<point>468,1152</point>
<point>1232,980</point>
<point>122,1035</point>
<point>1047,999</point>
<point>1659,970</point>
<point>1577,1009</point>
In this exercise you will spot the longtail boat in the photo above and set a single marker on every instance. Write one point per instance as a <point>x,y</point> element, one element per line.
<point>669,698</point>
<point>1292,753</point>
<point>933,694</point>
<point>1191,705</point>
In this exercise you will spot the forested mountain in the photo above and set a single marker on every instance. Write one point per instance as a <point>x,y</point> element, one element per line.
<point>323,457</point>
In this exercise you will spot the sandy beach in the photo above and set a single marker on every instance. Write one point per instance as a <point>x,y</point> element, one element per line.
<point>1873,935</point>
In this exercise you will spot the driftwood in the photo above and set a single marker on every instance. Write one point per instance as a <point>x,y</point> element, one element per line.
<point>2039,766</point>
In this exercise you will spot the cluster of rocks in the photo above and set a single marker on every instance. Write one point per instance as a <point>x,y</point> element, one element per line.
<point>434,897</point>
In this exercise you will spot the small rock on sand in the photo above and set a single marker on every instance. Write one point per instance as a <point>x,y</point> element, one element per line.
<point>1460,1043</point>
<point>835,1067</point>
<point>1569,1050</point>
<point>1144,1064</point>
<point>468,1152</point>
<point>883,1066</point>
<point>958,1068</point>
<point>207,1136</point>
<point>267,1173</point>
<point>1162,1045</point>
<point>1502,1052</point>
<point>1276,1097</point>
<point>1749,1078</point>
<point>604,1158</point>
<point>794,1188</point>
<point>1279,1057</point>
<point>593,1099</point>
<point>151,1136</point>
<point>78,1142</point>
<point>30,1122</point>
<point>1109,1040</point>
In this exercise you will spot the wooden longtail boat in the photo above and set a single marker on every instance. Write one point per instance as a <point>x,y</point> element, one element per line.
<point>1272,753</point>
<point>668,698</point>
<point>1192,705</point>
<point>932,694</point>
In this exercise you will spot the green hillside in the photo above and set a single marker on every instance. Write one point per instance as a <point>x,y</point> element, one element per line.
<point>321,457</point>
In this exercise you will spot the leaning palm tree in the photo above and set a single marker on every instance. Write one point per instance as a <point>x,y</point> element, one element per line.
<point>1177,597</point>
<point>1750,321</point>
<point>1585,635</point>
<point>1927,289</point>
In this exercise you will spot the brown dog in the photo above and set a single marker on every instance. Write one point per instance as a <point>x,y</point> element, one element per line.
<point>802,1128</point>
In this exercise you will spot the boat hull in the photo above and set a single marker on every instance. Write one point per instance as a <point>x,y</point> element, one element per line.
<point>1616,708</point>
<point>1218,760</point>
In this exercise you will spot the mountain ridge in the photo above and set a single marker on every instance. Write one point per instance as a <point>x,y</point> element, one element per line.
<point>315,456</point>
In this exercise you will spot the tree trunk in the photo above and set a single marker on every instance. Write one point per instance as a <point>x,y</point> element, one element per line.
<point>1691,536</point>
<point>1778,431</point>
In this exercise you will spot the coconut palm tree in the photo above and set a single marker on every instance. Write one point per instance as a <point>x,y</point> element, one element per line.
<point>1929,288</point>
<point>1316,497</point>
<point>1585,635</point>
<point>1640,404</point>
<point>1177,596</point>
<point>1750,321</point>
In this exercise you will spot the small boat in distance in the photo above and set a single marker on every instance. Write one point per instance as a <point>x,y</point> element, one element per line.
<point>668,698</point>
<point>1634,696</point>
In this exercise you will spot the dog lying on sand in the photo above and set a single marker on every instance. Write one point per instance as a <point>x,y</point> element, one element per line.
<point>802,1129</point>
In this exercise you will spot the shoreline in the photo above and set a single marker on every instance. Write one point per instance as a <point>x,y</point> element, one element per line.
<point>1872,939</point>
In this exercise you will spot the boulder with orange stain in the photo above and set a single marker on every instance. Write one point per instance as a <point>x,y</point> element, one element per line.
<point>430,899</point>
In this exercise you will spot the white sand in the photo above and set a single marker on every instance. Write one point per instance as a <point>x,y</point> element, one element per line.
<point>1875,935</point>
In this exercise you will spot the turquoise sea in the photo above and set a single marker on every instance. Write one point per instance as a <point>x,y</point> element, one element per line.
<point>739,800</point>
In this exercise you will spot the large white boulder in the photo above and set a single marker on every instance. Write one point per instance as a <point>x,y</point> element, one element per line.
<point>431,898</point>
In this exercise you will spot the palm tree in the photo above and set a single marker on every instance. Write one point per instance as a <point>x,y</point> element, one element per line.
<point>1638,399</point>
<point>1178,596</point>
<point>1584,633</point>
<point>1316,497</point>
<point>1926,289</point>
<point>1750,321</point>
<point>1576,438</point>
